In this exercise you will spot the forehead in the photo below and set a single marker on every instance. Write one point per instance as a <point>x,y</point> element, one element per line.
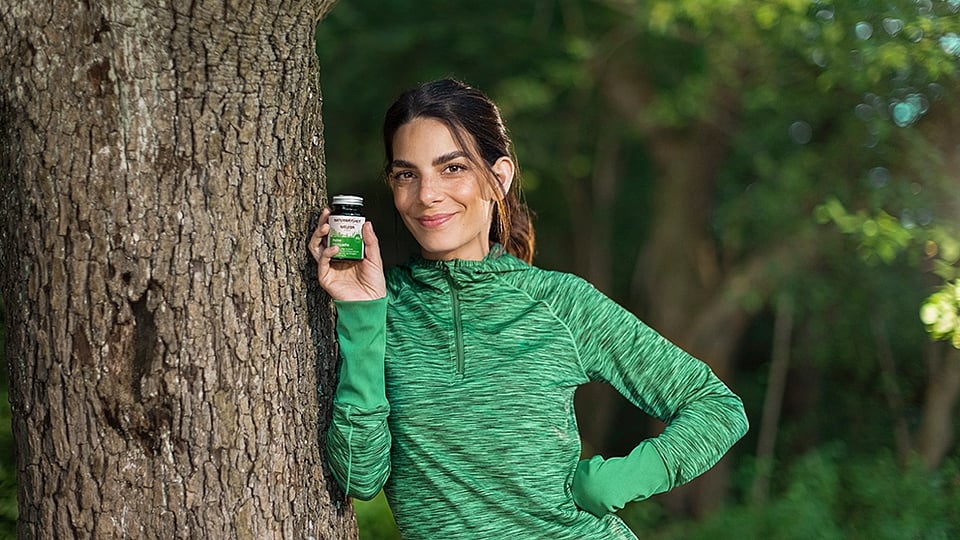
<point>423,139</point>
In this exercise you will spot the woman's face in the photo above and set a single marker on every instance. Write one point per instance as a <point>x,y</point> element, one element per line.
<point>444,199</point>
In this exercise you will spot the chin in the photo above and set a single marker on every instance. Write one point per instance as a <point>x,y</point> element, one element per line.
<point>437,250</point>
<point>432,244</point>
<point>435,253</point>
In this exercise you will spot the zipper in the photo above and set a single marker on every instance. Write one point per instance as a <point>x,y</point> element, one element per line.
<point>457,321</point>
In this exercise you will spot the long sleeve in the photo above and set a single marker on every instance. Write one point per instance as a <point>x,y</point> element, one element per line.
<point>358,440</point>
<point>703,417</point>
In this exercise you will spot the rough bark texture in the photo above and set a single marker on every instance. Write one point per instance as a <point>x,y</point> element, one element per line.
<point>161,163</point>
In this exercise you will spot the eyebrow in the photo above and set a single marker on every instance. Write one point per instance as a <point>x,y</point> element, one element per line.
<point>439,160</point>
<point>450,157</point>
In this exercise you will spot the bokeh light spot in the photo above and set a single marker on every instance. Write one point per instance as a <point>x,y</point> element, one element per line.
<point>935,90</point>
<point>801,132</point>
<point>906,219</point>
<point>879,177</point>
<point>950,43</point>
<point>919,101</point>
<point>863,30</point>
<point>902,114</point>
<point>819,57</point>
<point>909,109</point>
<point>892,26</point>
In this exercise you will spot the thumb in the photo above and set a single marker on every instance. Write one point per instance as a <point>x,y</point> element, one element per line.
<point>371,244</point>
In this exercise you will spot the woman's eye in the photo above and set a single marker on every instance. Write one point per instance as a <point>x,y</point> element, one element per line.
<point>401,176</point>
<point>456,168</point>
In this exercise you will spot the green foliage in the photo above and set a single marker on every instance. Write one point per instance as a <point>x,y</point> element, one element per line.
<point>941,313</point>
<point>375,520</point>
<point>834,390</point>
<point>882,238</point>
<point>865,47</point>
<point>832,494</point>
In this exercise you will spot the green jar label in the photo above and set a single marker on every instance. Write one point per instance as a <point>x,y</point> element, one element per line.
<point>345,231</point>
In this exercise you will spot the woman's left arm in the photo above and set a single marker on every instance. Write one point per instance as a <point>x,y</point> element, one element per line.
<point>703,417</point>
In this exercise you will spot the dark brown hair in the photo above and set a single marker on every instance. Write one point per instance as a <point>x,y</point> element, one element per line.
<point>466,110</point>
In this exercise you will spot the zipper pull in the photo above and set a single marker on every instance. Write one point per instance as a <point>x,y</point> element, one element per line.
<point>448,275</point>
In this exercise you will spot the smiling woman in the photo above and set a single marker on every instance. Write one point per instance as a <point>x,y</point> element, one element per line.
<point>459,368</point>
<point>474,144</point>
<point>441,192</point>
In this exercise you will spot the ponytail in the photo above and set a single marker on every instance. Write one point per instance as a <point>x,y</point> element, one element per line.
<point>513,226</point>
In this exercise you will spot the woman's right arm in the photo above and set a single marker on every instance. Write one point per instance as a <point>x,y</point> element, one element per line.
<point>358,439</point>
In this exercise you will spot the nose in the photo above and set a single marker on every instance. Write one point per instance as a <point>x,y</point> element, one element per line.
<point>431,190</point>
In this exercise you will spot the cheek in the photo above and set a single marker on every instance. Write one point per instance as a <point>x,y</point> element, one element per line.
<point>476,190</point>
<point>485,198</point>
<point>400,198</point>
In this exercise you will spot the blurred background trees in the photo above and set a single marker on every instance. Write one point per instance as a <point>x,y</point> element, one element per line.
<point>772,185</point>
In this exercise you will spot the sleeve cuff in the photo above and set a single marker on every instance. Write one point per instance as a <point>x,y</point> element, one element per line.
<point>361,332</point>
<point>602,486</point>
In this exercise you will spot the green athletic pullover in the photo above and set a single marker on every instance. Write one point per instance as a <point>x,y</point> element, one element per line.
<point>456,396</point>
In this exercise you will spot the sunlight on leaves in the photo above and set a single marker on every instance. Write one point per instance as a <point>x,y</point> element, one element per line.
<point>941,313</point>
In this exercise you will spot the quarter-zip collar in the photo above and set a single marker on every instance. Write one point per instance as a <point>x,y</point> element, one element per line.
<point>459,272</point>
<point>454,278</point>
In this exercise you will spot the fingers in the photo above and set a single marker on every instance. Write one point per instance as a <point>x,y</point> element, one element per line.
<point>322,254</point>
<point>316,243</point>
<point>323,263</point>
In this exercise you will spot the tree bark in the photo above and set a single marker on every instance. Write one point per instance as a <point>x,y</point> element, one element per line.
<point>161,164</point>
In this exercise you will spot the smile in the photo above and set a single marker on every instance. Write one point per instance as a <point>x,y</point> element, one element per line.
<point>435,220</point>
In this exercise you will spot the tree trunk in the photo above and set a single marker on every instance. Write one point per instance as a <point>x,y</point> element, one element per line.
<point>891,388</point>
<point>773,400</point>
<point>936,434</point>
<point>689,297</point>
<point>597,403</point>
<point>161,164</point>
<point>680,273</point>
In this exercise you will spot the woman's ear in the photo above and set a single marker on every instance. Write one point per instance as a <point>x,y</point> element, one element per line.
<point>504,170</point>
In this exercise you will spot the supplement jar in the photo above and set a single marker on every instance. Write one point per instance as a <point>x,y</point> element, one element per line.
<point>346,222</point>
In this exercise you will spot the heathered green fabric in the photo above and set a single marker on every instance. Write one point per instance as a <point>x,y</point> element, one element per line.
<point>473,428</point>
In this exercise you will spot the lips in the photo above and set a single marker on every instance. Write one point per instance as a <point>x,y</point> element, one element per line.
<point>433,221</point>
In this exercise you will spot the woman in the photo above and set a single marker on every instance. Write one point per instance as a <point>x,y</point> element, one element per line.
<point>459,368</point>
